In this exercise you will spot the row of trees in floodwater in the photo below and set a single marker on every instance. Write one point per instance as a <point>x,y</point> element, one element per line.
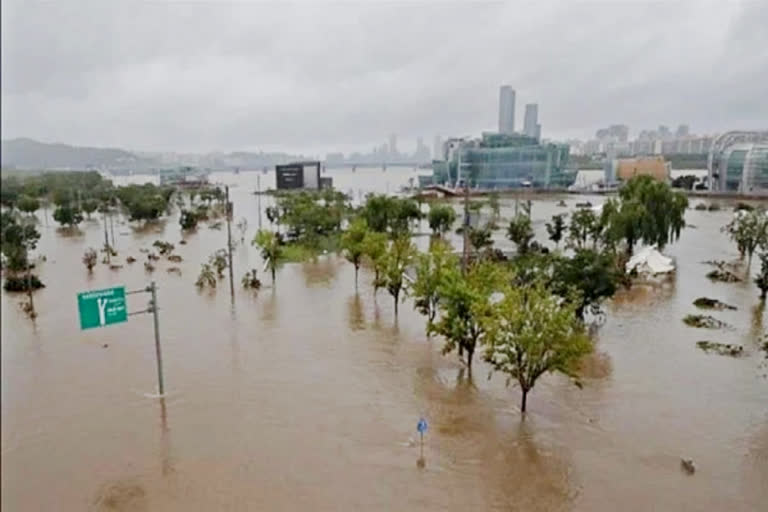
<point>524,312</point>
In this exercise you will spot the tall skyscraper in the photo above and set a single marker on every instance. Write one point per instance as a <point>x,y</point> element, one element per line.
<point>393,145</point>
<point>506,109</point>
<point>437,148</point>
<point>531,119</point>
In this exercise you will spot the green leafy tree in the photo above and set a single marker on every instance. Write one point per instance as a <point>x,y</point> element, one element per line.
<point>624,221</point>
<point>530,332</point>
<point>384,213</point>
<point>67,216</point>
<point>441,218</point>
<point>520,231</point>
<point>431,268</point>
<point>583,224</point>
<point>592,275</point>
<point>28,204</point>
<point>207,277</point>
<point>374,249</point>
<point>396,260</point>
<point>90,206</point>
<point>480,239</point>
<point>663,209</point>
<point>188,219</point>
<point>556,229</point>
<point>144,202</point>
<point>353,243</point>
<point>464,299</point>
<point>271,249</point>
<point>749,229</point>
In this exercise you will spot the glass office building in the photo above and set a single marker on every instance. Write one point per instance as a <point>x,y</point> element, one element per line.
<point>741,168</point>
<point>499,160</point>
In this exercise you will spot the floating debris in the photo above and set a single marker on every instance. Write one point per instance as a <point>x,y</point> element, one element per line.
<point>149,267</point>
<point>174,270</point>
<point>175,258</point>
<point>707,303</point>
<point>723,349</point>
<point>688,466</point>
<point>115,267</point>
<point>704,321</point>
<point>723,275</point>
<point>130,259</point>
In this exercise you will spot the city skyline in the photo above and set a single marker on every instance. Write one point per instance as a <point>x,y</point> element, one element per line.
<point>252,77</point>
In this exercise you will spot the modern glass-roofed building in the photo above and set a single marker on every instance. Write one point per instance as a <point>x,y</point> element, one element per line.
<point>499,160</point>
<point>738,163</point>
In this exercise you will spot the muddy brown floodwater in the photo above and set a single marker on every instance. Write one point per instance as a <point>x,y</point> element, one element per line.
<point>306,396</point>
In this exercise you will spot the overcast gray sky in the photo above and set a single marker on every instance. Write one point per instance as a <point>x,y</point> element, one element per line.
<point>202,76</point>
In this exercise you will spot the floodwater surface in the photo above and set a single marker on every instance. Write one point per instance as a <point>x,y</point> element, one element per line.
<point>306,395</point>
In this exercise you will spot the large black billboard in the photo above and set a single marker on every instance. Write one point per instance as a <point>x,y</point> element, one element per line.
<point>290,176</point>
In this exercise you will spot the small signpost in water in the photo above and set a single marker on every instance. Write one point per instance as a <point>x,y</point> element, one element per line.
<point>421,427</point>
<point>99,308</point>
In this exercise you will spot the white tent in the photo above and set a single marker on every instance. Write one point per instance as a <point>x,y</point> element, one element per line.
<point>650,261</point>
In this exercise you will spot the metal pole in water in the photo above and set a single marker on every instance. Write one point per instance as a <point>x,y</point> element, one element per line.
<point>153,290</point>
<point>229,242</point>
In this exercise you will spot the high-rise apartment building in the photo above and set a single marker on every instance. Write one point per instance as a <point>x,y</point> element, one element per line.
<point>506,109</point>
<point>531,120</point>
<point>393,145</point>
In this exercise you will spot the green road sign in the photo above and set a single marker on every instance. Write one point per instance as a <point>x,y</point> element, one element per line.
<point>102,307</point>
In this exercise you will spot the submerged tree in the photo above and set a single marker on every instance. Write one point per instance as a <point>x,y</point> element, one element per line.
<point>353,243</point>
<point>556,229</point>
<point>530,332</point>
<point>520,231</point>
<point>749,229</point>
<point>464,299</point>
<point>207,277</point>
<point>90,258</point>
<point>374,249</point>
<point>218,260</point>
<point>68,216</point>
<point>592,275</point>
<point>431,268</point>
<point>441,218</point>
<point>251,280</point>
<point>663,209</point>
<point>396,260</point>
<point>762,277</point>
<point>271,249</point>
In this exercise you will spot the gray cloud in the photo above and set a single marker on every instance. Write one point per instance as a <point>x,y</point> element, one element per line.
<point>317,77</point>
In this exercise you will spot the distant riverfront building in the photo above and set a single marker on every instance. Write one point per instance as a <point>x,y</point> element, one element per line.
<point>498,160</point>
<point>506,109</point>
<point>738,162</point>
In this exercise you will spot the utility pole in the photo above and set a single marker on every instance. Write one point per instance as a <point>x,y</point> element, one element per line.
<point>106,238</point>
<point>112,228</point>
<point>152,288</point>
<point>229,242</point>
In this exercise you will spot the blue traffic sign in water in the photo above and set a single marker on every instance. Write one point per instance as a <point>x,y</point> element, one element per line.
<point>422,426</point>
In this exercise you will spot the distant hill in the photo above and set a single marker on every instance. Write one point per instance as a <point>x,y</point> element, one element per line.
<point>31,154</point>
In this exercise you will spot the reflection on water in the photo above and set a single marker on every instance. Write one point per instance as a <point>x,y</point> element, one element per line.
<point>306,395</point>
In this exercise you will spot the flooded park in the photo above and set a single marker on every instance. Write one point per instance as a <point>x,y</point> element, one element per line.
<point>306,395</point>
